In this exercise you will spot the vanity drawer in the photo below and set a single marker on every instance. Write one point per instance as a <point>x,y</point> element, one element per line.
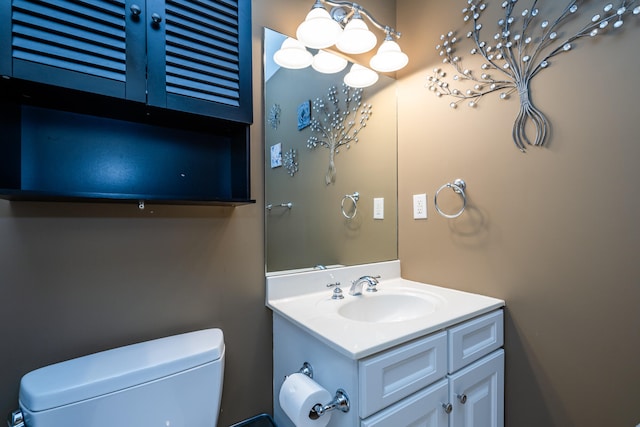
<point>474,339</point>
<point>423,408</point>
<point>388,377</point>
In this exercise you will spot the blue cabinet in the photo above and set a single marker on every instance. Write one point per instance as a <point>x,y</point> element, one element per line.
<point>192,56</point>
<point>115,100</point>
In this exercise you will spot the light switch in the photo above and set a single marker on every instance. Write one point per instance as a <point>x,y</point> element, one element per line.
<point>378,208</point>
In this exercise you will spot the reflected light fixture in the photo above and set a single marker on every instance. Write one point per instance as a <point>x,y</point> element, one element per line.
<point>293,54</point>
<point>322,29</point>
<point>328,63</point>
<point>360,77</point>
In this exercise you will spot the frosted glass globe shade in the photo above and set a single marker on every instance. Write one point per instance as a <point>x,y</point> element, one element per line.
<point>292,54</point>
<point>389,57</point>
<point>360,76</point>
<point>356,37</point>
<point>318,30</point>
<point>328,63</point>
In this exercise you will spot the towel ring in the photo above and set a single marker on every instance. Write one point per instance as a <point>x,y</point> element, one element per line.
<point>458,186</point>
<point>354,198</point>
<point>287,205</point>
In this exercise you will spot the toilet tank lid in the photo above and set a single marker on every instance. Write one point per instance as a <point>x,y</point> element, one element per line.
<point>97,374</point>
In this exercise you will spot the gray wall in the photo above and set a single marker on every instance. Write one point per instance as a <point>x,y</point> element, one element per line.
<point>81,278</point>
<point>554,231</point>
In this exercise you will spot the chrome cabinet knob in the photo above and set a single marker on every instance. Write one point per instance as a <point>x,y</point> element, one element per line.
<point>462,398</point>
<point>448,407</point>
<point>156,19</point>
<point>135,10</point>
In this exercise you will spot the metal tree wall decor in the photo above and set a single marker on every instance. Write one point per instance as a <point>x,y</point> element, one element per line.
<point>522,47</point>
<point>337,122</point>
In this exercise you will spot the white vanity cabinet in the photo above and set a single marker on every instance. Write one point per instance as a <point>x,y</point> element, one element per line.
<point>476,372</point>
<point>450,378</point>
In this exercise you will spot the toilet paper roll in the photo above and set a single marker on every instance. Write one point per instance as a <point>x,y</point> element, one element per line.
<point>298,395</point>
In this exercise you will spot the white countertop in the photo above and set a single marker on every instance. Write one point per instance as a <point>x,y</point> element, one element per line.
<point>304,299</point>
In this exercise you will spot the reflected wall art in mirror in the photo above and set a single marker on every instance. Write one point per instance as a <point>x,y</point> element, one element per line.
<point>305,221</point>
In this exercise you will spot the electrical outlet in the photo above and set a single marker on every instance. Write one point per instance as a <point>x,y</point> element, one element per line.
<point>419,206</point>
<point>378,208</point>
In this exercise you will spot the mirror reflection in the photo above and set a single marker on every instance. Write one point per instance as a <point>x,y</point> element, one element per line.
<point>312,220</point>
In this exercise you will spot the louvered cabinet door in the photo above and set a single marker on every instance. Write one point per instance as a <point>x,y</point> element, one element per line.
<point>89,45</point>
<point>199,57</point>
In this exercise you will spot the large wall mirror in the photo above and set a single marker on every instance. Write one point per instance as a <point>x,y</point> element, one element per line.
<point>306,223</point>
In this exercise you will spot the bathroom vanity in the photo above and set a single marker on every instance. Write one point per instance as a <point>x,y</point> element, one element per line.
<point>408,353</point>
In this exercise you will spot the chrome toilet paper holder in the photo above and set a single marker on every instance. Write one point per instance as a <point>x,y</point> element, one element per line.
<point>340,400</point>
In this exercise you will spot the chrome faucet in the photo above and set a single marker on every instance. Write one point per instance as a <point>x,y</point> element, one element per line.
<point>357,285</point>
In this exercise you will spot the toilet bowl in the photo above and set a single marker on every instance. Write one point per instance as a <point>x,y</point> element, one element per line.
<point>168,382</point>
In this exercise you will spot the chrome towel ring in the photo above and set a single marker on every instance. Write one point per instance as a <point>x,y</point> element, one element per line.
<point>354,199</point>
<point>458,186</point>
<point>287,205</point>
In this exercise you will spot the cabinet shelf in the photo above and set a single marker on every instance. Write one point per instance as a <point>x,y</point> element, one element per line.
<point>65,156</point>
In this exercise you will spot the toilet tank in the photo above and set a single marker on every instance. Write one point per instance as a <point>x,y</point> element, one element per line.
<point>168,382</point>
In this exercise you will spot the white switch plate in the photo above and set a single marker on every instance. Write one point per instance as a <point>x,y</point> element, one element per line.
<point>378,208</point>
<point>419,206</point>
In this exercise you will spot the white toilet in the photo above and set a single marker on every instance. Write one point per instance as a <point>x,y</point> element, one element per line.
<point>168,382</point>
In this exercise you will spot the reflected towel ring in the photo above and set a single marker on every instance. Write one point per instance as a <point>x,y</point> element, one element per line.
<point>458,186</point>
<point>287,205</point>
<point>354,198</point>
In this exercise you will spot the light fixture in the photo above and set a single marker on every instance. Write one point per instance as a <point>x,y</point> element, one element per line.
<point>328,63</point>
<point>293,54</point>
<point>359,77</point>
<point>319,29</point>
<point>356,37</point>
<point>322,29</point>
<point>389,57</point>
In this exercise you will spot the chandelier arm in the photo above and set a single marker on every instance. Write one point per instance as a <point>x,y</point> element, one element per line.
<point>363,11</point>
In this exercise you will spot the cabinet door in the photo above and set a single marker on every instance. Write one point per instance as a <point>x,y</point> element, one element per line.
<point>477,393</point>
<point>425,408</point>
<point>74,44</point>
<point>199,54</point>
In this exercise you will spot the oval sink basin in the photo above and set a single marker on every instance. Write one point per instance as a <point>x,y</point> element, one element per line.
<point>384,308</point>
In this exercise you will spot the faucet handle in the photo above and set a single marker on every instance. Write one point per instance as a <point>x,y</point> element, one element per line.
<point>337,292</point>
<point>372,282</point>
